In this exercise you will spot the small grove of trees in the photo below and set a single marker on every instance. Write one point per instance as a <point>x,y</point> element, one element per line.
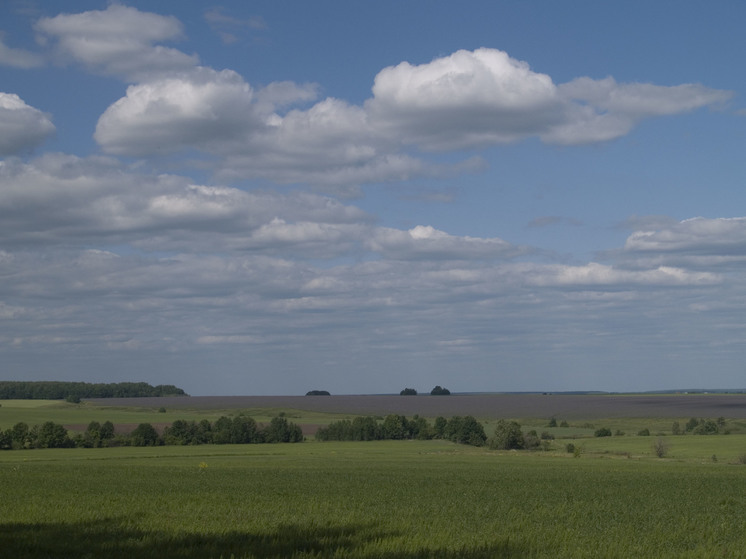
<point>440,391</point>
<point>225,430</point>
<point>408,392</point>
<point>318,393</point>
<point>705,426</point>
<point>508,435</point>
<point>464,430</point>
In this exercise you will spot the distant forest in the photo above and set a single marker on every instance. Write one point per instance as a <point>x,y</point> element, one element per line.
<point>74,391</point>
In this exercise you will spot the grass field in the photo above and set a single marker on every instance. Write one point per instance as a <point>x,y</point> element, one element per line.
<point>396,499</point>
<point>388,499</point>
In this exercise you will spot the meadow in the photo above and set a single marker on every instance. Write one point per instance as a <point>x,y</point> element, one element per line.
<point>389,499</point>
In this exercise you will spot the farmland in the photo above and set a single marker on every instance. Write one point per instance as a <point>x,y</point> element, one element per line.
<point>391,499</point>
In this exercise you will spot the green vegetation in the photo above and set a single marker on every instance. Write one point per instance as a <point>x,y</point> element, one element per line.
<point>647,494</point>
<point>73,391</point>
<point>440,391</point>
<point>462,430</point>
<point>237,430</point>
<point>408,392</point>
<point>365,500</point>
<point>318,393</point>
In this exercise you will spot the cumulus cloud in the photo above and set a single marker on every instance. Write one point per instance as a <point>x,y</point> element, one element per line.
<point>203,109</point>
<point>467,100</point>
<point>22,127</point>
<point>476,98</point>
<point>119,41</point>
<point>464,100</point>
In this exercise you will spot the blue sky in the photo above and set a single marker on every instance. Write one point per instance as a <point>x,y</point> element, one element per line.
<point>270,198</point>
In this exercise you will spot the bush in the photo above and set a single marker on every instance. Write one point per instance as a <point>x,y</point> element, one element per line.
<point>602,432</point>
<point>644,433</point>
<point>564,424</point>
<point>552,423</point>
<point>318,393</point>
<point>439,391</point>
<point>408,392</point>
<point>660,447</point>
<point>570,448</point>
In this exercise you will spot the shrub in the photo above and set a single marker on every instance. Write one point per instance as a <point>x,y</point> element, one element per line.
<point>318,393</point>
<point>552,423</point>
<point>660,447</point>
<point>439,391</point>
<point>564,424</point>
<point>602,432</point>
<point>570,448</point>
<point>644,432</point>
<point>408,392</point>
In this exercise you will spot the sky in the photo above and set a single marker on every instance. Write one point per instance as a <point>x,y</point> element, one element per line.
<point>275,197</point>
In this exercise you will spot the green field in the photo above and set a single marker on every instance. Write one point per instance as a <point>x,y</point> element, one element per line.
<point>38,411</point>
<point>388,499</point>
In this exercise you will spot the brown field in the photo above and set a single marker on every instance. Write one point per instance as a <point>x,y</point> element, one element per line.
<point>483,406</point>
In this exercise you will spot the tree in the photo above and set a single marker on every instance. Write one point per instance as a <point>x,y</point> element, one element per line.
<point>439,391</point>
<point>243,430</point>
<point>507,436</point>
<point>52,435</point>
<point>602,432</point>
<point>145,435</point>
<point>318,393</point>
<point>675,428</point>
<point>6,440</point>
<point>408,392</point>
<point>395,427</point>
<point>20,435</point>
<point>280,430</point>
<point>439,427</point>
<point>465,430</point>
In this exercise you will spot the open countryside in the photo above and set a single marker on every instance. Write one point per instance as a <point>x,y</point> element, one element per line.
<point>611,497</point>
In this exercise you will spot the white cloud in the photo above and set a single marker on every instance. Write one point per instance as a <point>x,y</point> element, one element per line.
<point>18,58</point>
<point>119,41</point>
<point>204,109</point>
<point>601,110</point>
<point>467,100</point>
<point>464,100</point>
<point>59,199</point>
<point>476,98</point>
<point>719,235</point>
<point>22,127</point>
<point>425,242</point>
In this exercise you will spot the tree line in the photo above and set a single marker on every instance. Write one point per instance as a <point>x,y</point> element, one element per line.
<point>225,430</point>
<point>464,430</point>
<point>74,391</point>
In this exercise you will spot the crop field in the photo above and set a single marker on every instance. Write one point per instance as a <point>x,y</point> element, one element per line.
<point>396,499</point>
<point>612,497</point>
